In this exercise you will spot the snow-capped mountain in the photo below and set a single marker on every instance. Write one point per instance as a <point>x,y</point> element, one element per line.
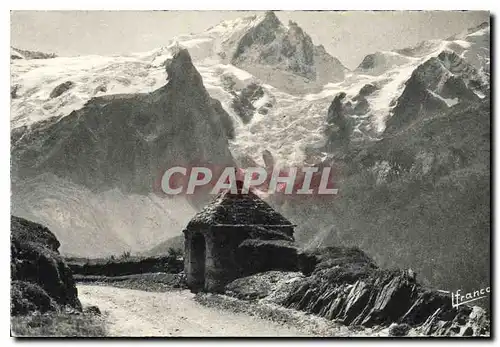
<point>90,133</point>
<point>389,88</point>
<point>81,173</point>
<point>283,56</point>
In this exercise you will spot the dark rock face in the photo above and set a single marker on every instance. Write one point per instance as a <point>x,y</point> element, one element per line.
<point>263,34</point>
<point>102,88</point>
<point>13,91</point>
<point>446,76</point>
<point>347,114</point>
<point>243,101</point>
<point>41,280</point>
<point>225,119</point>
<point>346,285</point>
<point>26,231</point>
<point>367,89</point>
<point>60,89</point>
<point>339,126</point>
<point>285,56</point>
<point>461,321</point>
<point>368,62</point>
<point>415,102</point>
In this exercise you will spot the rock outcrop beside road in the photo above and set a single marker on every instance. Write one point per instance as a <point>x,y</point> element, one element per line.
<point>40,279</point>
<point>345,285</point>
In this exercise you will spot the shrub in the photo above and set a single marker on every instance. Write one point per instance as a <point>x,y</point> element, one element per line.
<point>125,255</point>
<point>27,297</point>
<point>399,330</point>
<point>61,324</point>
<point>175,253</point>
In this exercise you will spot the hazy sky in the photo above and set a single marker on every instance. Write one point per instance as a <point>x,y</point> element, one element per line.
<point>347,35</point>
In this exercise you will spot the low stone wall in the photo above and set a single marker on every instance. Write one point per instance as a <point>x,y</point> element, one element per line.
<point>167,264</point>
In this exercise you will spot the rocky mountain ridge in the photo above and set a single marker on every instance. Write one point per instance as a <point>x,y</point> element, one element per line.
<point>280,54</point>
<point>120,142</point>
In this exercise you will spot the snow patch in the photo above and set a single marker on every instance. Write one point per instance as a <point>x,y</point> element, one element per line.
<point>448,102</point>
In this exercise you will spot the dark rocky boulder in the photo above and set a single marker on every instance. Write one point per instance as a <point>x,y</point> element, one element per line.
<point>41,280</point>
<point>93,310</point>
<point>101,89</point>
<point>399,330</point>
<point>325,258</point>
<point>270,285</point>
<point>367,89</point>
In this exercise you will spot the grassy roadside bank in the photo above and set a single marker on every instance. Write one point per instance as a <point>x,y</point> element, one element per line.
<point>58,324</point>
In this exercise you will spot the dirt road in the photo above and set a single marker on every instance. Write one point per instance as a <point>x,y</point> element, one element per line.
<point>138,313</point>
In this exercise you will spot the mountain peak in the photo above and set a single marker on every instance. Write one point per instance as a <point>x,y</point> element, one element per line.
<point>481,26</point>
<point>180,68</point>
<point>265,47</point>
<point>271,17</point>
<point>380,62</point>
<point>17,53</point>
